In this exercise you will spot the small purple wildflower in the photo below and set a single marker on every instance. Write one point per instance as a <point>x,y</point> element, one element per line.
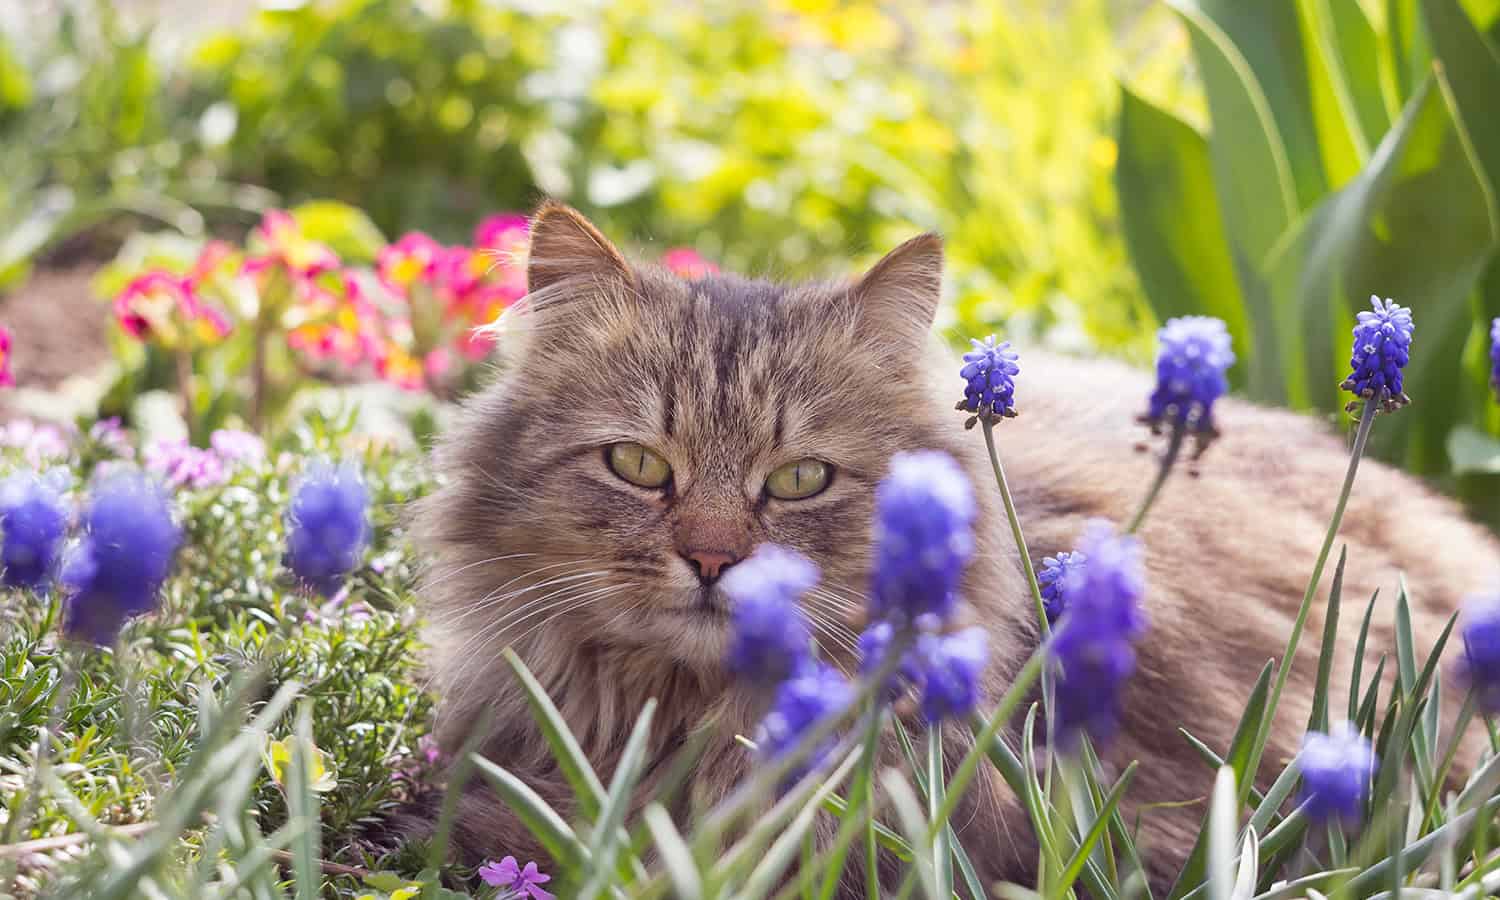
<point>816,692</point>
<point>34,523</point>
<point>1093,643</point>
<point>1480,664</point>
<point>1053,577</point>
<point>327,526</point>
<point>515,881</point>
<point>39,442</point>
<point>949,667</point>
<point>1336,769</point>
<point>181,464</point>
<point>1382,347</point>
<point>117,569</point>
<point>769,632</point>
<point>989,373</point>
<point>238,446</point>
<point>110,436</point>
<point>1193,353</point>
<point>1495,356</point>
<point>923,537</point>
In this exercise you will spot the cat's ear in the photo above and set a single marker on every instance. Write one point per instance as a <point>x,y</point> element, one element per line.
<point>564,246</point>
<point>898,298</point>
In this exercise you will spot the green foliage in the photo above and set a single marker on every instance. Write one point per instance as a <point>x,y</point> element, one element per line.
<point>1351,154</point>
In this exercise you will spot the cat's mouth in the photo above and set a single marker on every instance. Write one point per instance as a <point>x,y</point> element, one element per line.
<point>707,602</point>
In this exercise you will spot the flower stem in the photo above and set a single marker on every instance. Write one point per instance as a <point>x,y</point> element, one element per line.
<point>1361,438</point>
<point>1015,526</point>
<point>187,387</point>
<point>1168,460</point>
<point>258,373</point>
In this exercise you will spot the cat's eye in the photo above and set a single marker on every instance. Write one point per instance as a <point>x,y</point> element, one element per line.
<point>799,480</point>
<point>638,465</point>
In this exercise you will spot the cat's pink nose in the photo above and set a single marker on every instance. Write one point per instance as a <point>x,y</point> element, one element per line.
<point>710,564</point>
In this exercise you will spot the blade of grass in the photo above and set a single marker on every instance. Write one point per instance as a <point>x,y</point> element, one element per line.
<point>575,767</point>
<point>1359,658</point>
<point>1080,856</point>
<point>540,819</point>
<point>606,833</point>
<point>1318,719</point>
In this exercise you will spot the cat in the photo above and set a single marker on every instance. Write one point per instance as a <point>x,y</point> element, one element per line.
<point>606,587</point>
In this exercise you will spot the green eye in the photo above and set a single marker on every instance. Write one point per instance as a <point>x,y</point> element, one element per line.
<point>638,465</point>
<point>799,480</point>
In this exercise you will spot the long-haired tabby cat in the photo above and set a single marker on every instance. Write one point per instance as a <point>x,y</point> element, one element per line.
<point>619,463</point>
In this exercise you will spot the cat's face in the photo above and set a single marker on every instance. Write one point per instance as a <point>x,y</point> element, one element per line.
<point>652,431</point>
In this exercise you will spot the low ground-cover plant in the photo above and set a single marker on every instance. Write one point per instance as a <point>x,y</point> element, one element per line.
<point>254,735</point>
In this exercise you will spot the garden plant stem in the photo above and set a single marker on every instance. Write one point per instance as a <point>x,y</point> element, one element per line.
<point>1015,527</point>
<point>1168,460</point>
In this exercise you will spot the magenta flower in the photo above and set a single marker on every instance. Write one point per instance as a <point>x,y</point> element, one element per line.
<point>412,259</point>
<point>234,446</point>
<point>165,309</point>
<point>6,378</point>
<point>180,464</point>
<point>685,262</point>
<point>508,875</point>
<point>283,244</point>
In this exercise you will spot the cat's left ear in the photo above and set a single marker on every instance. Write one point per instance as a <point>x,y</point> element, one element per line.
<point>898,298</point>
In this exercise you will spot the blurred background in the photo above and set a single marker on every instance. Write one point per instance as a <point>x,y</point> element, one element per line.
<point>1096,168</point>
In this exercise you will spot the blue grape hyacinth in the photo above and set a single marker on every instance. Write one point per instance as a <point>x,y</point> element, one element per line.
<point>1382,347</point>
<point>1193,353</point>
<point>1093,646</point>
<point>327,526</point>
<point>34,522</point>
<point>989,373</point>
<point>923,538</point>
<point>949,667</point>
<point>769,636</point>
<point>1336,769</point>
<point>816,692</point>
<point>1480,663</point>
<point>117,569</point>
<point>1495,356</point>
<point>1053,579</point>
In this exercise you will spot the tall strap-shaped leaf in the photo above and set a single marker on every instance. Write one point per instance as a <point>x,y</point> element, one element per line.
<point>1173,225</point>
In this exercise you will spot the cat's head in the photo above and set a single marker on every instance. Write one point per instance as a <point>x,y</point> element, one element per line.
<point>647,432</point>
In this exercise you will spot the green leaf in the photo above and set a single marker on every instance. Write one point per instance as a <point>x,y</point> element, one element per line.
<point>344,228</point>
<point>1347,37</point>
<point>1467,65</point>
<point>676,857</point>
<point>1173,226</point>
<point>1318,720</point>
<point>587,788</point>
<point>1222,831</point>
<point>607,835</point>
<point>540,819</point>
<point>1359,658</point>
<point>1080,856</point>
<point>1412,226</point>
<point>1241,748</point>
<point>1473,452</point>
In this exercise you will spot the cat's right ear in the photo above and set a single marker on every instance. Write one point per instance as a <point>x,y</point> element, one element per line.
<point>566,247</point>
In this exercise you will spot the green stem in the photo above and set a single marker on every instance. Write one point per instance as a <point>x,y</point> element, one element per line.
<point>187,386</point>
<point>872,847</point>
<point>1174,448</point>
<point>1361,438</point>
<point>1015,527</point>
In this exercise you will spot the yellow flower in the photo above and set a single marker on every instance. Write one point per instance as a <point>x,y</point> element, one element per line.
<point>278,759</point>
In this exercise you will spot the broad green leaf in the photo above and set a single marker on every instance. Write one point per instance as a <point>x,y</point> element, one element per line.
<point>1342,140</point>
<point>1473,451</point>
<point>1268,38</point>
<point>1407,51</point>
<point>1349,49</point>
<point>1412,226</point>
<point>1173,225</point>
<point>1470,69</point>
<point>342,227</point>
